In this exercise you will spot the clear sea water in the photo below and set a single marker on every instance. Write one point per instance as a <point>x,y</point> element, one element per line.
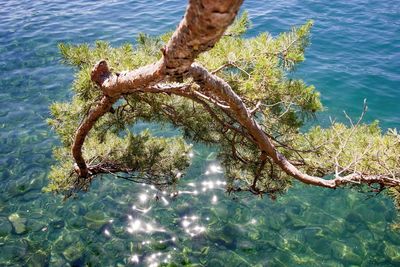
<point>355,54</point>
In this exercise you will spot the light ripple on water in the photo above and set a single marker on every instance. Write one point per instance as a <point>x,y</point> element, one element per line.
<point>354,55</point>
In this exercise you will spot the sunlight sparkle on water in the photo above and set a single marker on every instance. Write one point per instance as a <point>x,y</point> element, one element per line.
<point>149,228</point>
<point>199,229</point>
<point>154,260</point>
<point>143,198</point>
<point>107,233</point>
<point>134,259</point>
<point>214,200</point>
<point>213,168</point>
<point>195,192</point>
<point>185,223</point>
<point>174,194</point>
<point>191,226</point>
<point>210,185</point>
<point>140,210</point>
<point>139,226</point>
<point>165,201</point>
<point>221,182</point>
<point>134,226</point>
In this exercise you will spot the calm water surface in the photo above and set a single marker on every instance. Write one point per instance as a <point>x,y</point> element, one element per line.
<point>355,54</point>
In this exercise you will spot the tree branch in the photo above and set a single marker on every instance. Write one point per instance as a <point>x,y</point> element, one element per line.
<point>202,26</point>
<point>94,114</point>
<point>223,90</point>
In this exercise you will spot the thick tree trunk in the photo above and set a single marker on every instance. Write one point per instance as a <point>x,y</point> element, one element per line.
<point>204,23</point>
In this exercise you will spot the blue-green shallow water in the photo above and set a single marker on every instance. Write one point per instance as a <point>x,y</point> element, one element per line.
<point>355,54</point>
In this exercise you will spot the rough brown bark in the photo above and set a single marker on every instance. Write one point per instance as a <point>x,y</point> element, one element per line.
<point>94,114</point>
<point>202,26</point>
<point>223,91</point>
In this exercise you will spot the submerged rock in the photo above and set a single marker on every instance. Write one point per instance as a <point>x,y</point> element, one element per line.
<point>242,215</point>
<point>18,223</point>
<point>254,234</point>
<point>65,239</point>
<point>220,211</point>
<point>35,225</point>
<point>183,208</point>
<point>13,251</point>
<point>393,236</point>
<point>2,205</point>
<point>38,258</point>
<point>337,226</point>
<point>344,253</point>
<point>354,222</point>
<point>224,235</point>
<point>73,252</point>
<point>392,252</point>
<point>216,263</point>
<point>231,258</point>
<point>296,222</point>
<point>77,222</point>
<point>57,260</point>
<point>58,224</point>
<point>159,245</point>
<point>205,250</point>
<point>95,220</point>
<point>246,246</point>
<point>275,222</point>
<point>5,227</point>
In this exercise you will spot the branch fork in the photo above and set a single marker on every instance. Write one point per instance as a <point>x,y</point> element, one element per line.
<point>203,25</point>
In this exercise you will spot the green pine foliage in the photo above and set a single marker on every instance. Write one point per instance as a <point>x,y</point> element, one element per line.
<point>257,69</point>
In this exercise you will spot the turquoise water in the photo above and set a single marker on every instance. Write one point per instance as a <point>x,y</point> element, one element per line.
<point>355,54</point>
